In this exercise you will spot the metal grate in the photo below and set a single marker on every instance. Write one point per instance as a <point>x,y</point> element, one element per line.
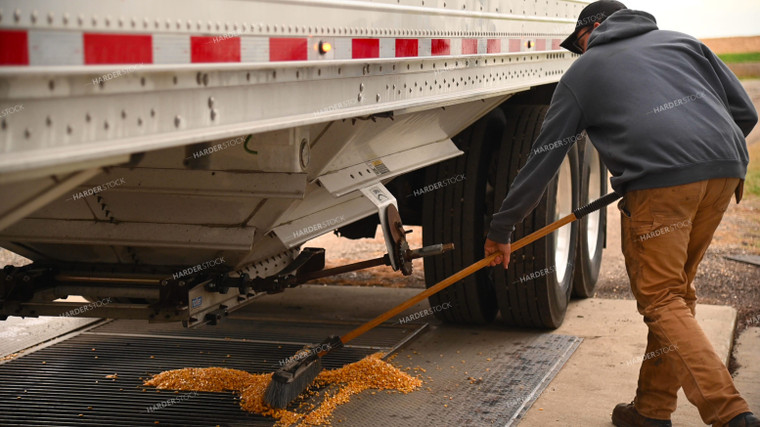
<point>65,384</point>
<point>517,375</point>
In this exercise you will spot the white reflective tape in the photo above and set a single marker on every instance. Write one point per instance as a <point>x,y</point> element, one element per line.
<point>343,48</point>
<point>425,47</point>
<point>387,48</point>
<point>171,49</point>
<point>254,49</point>
<point>56,48</point>
<point>455,47</point>
<point>482,46</point>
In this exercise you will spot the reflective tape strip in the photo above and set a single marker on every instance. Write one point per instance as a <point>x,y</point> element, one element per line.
<point>494,46</point>
<point>440,47</point>
<point>214,49</point>
<point>365,48</point>
<point>469,46</point>
<point>14,48</point>
<point>288,49</point>
<point>387,48</point>
<point>456,47</point>
<point>254,49</point>
<point>117,49</point>
<point>406,47</point>
<point>425,47</point>
<point>515,45</point>
<point>342,48</point>
<point>47,48</point>
<point>171,49</point>
<point>55,48</point>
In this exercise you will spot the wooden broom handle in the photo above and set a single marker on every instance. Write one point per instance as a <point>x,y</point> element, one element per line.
<point>461,274</point>
<point>485,262</point>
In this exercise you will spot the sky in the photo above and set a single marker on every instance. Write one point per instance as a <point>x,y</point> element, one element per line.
<point>704,18</point>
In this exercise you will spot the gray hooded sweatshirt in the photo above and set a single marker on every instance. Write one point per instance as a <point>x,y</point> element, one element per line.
<point>659,106</point>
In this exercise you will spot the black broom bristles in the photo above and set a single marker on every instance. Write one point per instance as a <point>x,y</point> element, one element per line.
<point>298,373</point>
<point>286,386</point>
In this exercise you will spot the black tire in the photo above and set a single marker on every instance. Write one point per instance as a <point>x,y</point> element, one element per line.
<point>530,293</point>
<point>456,214</point>
<point>592,228</point>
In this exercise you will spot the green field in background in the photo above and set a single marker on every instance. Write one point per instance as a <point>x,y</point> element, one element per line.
<point>729,58</point>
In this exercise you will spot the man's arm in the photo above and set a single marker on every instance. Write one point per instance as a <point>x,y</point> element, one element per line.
<point>739,103</point>
<point>562,127</point>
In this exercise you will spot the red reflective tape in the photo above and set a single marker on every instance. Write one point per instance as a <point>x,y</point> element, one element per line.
<point>440,47</point>
<point>494,46</point>
<point>365,48</point>
<point>214,49</point>
<point>469,46</point>
<point>556,44</point>
<point>541,44</point>
<point>406,47</point>
<point>288,49</point>
<point>514,45</point>
<point>14,48</point>
<point>117,49</point>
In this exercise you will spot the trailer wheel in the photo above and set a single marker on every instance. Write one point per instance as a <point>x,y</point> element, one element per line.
<point>534,292</point>
<point>454,210</point>
<point>593,227</point>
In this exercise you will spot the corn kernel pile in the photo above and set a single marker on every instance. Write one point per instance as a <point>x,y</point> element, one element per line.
<point>369,373</point>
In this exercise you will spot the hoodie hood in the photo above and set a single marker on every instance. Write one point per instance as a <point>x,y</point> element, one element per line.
<point>622,24</point>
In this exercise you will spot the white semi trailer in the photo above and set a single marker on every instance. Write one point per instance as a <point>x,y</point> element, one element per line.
<point>174,156</point>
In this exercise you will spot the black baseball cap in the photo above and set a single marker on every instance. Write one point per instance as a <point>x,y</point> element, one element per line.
<point>595,12</point>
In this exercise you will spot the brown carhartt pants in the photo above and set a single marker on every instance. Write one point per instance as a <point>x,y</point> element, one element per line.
<point>665,233</point>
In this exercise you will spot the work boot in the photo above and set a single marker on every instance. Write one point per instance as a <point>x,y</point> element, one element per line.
<point>747,419</point>
<point>626,415</point>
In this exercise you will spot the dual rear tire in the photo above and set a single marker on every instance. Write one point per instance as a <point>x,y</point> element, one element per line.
<point>535,290</point>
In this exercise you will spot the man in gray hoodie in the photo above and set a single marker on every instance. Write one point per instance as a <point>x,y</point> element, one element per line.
<point>669,120</point>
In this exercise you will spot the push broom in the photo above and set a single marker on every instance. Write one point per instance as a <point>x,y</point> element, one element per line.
<point>301,369</point>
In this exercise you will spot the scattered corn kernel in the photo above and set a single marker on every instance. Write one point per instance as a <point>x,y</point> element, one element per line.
<point>368,373</point>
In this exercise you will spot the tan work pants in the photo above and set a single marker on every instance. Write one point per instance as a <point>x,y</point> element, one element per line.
<point>665,234</point>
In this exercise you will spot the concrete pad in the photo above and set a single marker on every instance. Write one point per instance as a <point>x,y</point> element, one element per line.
<point>336,303</point>
<point>747,354</point>
<point>17,334</point>
<point>604,370</point>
